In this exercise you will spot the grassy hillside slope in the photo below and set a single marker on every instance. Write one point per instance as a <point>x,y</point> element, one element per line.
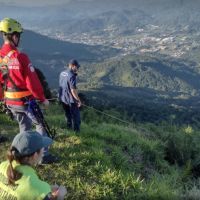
<point>109,160</point>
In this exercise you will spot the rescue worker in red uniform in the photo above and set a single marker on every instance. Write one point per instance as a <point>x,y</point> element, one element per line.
<point>23,82</point>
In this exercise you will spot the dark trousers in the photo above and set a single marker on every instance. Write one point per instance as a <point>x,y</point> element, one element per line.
<point>72,116</point>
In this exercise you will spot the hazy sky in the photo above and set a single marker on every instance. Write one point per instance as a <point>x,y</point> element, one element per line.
<point>60,2</point>
<point>41,2</point>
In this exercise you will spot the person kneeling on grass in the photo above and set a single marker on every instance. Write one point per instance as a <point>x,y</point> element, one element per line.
<point>18,179</point>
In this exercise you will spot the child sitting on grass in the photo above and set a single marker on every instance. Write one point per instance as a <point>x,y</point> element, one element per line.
<point>18,179</point>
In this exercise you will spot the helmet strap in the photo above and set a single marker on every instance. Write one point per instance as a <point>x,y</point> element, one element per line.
<point>16,43</point>
<point>10,37</point>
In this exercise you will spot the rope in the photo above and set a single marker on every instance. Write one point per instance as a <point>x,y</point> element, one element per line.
<point>111,116</point>
<point>52,99</point>
<point>89,107</point>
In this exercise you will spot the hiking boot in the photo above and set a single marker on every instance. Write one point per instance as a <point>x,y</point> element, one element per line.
<point>50,159</point>
<point>3,139</point>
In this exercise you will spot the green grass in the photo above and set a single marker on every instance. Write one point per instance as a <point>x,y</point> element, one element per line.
<point>111,161</point>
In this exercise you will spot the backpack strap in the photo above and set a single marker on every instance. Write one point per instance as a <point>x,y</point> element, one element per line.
<point>6,58</point>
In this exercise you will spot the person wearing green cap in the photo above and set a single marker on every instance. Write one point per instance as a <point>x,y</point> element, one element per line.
<point>18,179</point>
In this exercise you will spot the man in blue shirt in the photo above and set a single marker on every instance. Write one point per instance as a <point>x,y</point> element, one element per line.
<point>68,95</point>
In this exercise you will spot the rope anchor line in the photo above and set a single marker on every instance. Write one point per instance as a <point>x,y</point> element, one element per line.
<point>111,116</point>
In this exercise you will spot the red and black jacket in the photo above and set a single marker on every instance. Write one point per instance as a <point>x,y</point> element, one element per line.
<point>23,81</point>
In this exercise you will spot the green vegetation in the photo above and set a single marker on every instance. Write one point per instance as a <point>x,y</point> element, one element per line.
<point>144,71</point>
<point>145,87</point>
<point>109,160</point>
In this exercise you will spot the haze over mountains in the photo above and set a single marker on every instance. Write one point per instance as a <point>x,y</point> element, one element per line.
<point>150,45</point>
<point>132,26</point>
<point>51,55</point>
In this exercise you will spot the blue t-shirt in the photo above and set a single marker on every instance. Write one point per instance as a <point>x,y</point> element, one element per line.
<point>67,81</point>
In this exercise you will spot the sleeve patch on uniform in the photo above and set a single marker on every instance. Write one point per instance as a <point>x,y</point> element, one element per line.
<point>31,67</point>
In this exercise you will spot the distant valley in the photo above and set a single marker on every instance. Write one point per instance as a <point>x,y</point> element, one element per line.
<point>52,55</point>
<point>142,59</point>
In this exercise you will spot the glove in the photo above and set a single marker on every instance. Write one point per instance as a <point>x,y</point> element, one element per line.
<point>45,103</point>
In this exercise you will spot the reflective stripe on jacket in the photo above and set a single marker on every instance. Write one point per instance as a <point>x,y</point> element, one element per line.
<point>16,95</point>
